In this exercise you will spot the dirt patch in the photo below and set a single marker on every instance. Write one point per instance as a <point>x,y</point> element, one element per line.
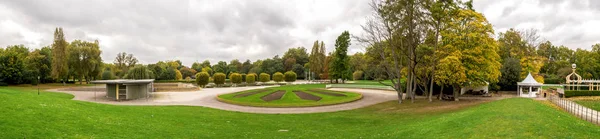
<point>306,96</point>
<point>249,93</point>
<point>329,93</point>
<point>273,96</point>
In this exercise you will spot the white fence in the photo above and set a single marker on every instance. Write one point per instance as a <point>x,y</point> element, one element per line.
<point>359,86</point>
<point>577,110</point>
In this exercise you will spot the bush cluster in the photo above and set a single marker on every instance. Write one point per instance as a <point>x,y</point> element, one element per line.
<point>290,76</point>
<point>278,77</point>
<point>264,77</point>
<point>235,78</point>
<point>219,78</point>
<point>250,78</point>
<point>202,78</point>
<point>357,75</point>
<point>581,93</point>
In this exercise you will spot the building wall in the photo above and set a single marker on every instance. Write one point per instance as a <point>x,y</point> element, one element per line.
<point>136,91</point>
<point>111,90</point>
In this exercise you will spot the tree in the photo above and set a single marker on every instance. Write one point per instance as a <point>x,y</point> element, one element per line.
<point>246,66</point>
<point>12,70</point>
<point>205,63</point>
<point>219,78</point>
<point>107,75</point>
<point>202,78</point>
<point>38,65</point>
<point>178,75</point>
<point>289,63</point>
<point>208,70</point>
<point>187,72</point>
<point>299,69</point>
<point>59,56</point>
<point>84,60</point>
<point>264,77</point>
<point>197,66</point>
<point>169,74</point>
<point>290,76</point>
<point>278,77</point>
<point>235,78</point>
<point>123,62</point>
<point>234,66</point>
<point>250,78</point>
<point>339,68</point>
<point>358,61</point>
<point>511,74</point>
<point>299,55</point>
<point>139,72</point>
<point>221,66</point>
<point>357,75</point>
<point>317,58</point>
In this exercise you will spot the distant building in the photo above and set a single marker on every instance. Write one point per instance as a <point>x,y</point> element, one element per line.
<point>127,89</point>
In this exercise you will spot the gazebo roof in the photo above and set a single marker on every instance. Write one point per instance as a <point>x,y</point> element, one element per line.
<point>529,81</point>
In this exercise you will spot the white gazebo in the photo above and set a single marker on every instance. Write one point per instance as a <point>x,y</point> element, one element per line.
<point>528,82</point>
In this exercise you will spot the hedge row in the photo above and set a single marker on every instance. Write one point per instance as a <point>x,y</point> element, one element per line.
<point>581,93</point>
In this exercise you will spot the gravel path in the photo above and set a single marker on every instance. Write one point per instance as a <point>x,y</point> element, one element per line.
<point>207,98</point>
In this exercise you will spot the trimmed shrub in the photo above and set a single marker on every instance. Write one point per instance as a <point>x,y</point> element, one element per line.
<point>178,75</point>
<point>250,78</point>
<point>219,78</point>
<point>264,77</point>
<point>202,78</point>
<point>235,78</point>
<point>290,76</point>
<point>357,75</point>
<point>581,93</point>
<point>277,77</point>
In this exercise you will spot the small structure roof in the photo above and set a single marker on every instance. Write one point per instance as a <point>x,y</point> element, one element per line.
<point>529,81</point>
<point>123,81</point>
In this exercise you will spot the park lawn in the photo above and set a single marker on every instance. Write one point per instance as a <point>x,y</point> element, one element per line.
<point>592,104</point>
<point>289,99</point>
<point>24,114</point>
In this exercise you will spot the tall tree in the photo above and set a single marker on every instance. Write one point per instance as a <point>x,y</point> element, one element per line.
<point>246,66</point>
<point>59,56</point>
<point>299,54</point>
<point>339,68</point>
<point>123,62</point>
<point>317,58</point>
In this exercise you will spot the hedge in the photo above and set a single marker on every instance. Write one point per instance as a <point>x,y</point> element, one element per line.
<point>264,77</point>
<point>572,93</point>
<point>219,78</point>
<point>277,77</point>
<point>290,76</point>
<point>250,78</point>
<point>202,78</point>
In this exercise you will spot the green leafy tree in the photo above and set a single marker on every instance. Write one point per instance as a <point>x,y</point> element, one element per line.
<point>59,56</point>
<point>12,70</point>
<point>202,78</point>
<point>139,72</point>
<point>187,72</point>
<point>339,68</point>
<point>357,75</point>
<point>317,58</point>
<point>178,75</point>
<point>107,75</point>
<point>511,74</point>
<point>123,62</point>
<point>278,77</point>
<point>290,76</point>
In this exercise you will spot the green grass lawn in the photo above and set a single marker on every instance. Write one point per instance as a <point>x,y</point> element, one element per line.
<point>289,99</point>
<point>24,114</point>
<point>592,104</point>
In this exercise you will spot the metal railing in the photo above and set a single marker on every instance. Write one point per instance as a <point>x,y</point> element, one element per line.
<point>358,86</point>
<point>580,111</point>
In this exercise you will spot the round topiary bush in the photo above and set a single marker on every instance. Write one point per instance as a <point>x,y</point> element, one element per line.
<point>202,78</point>
<point>277,77</point>
<point>235,78</point>
<point>219,78</point>
<point>357,75</point>
<point>250,78</point>
<point>290,76</point>
<point>264,77</point>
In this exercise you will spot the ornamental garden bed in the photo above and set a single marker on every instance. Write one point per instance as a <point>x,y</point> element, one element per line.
<point>289,96</point>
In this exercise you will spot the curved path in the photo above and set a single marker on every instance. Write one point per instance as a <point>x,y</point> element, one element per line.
<point>207,98</point>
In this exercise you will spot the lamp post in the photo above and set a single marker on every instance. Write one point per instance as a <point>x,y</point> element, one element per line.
<point>38,85</point>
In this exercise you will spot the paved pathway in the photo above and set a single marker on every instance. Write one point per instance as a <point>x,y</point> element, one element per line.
<point>207,98</point>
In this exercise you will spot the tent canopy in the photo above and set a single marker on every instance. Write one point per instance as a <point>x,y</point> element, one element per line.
<point>529,81</point>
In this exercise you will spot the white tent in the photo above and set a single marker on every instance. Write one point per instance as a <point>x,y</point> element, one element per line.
<point>531,83</point>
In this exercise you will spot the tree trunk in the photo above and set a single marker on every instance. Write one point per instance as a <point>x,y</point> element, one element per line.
<point>456,92</point>
<point>441,93</point>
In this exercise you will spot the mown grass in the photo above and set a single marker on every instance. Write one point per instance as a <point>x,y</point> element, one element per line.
<point>592,104</point>
<point>289,99</point>
<point>24,114</point>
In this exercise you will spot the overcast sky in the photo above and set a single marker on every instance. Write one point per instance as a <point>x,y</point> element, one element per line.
<point>253,29</point>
